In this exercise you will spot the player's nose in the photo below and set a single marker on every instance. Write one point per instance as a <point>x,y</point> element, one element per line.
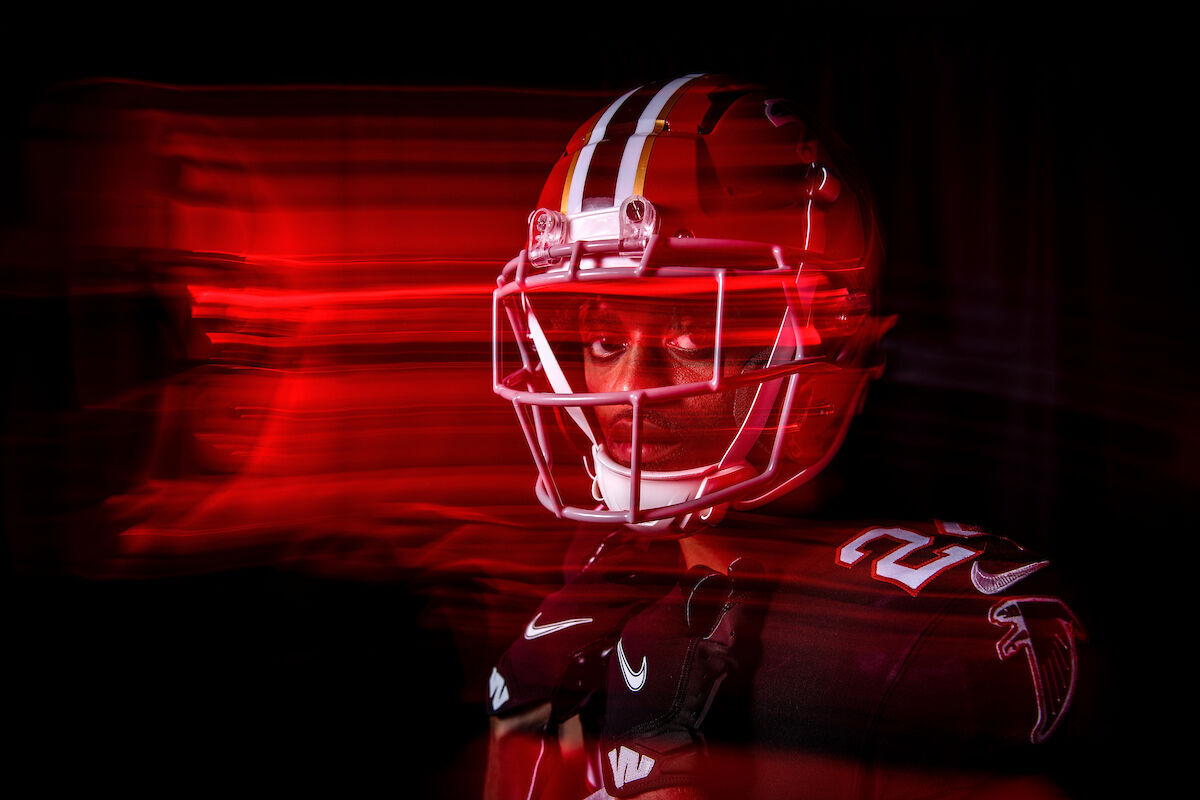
<point>643,367</point>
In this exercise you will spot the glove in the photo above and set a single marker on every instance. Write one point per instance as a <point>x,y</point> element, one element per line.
<point>667,668</point>
<point>560,657</point>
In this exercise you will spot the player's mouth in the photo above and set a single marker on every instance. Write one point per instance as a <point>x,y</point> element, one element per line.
<point>657,445</point>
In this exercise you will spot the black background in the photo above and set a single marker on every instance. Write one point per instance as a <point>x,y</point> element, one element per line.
<point>1031,169</point>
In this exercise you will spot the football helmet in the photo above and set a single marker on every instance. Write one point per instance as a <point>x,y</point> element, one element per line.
<point>690,320</point>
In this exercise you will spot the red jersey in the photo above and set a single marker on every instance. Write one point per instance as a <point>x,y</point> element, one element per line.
<point>884,661</point>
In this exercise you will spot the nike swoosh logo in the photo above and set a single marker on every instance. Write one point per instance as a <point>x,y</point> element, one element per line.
<point>534,631</point>
<point>634,680</point>
<point>989,583</point>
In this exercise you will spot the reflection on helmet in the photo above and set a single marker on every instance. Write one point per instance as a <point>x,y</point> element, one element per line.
<point>692,311</point>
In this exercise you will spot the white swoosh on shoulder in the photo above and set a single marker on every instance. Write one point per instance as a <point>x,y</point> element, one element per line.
<point>533,630</point>
<point>989,583</point>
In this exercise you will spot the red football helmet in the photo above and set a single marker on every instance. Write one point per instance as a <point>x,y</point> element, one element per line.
<point>692,310</point>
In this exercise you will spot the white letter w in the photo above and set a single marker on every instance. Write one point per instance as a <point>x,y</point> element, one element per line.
<point>630,766</point>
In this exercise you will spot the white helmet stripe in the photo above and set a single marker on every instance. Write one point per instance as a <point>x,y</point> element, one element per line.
<point>580,172</point>
<point>627,176</point>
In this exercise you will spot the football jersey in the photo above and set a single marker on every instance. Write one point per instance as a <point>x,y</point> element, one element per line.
<point>887,660</point>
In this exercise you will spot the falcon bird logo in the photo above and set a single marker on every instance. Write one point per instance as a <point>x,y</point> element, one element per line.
<point>1047,631</point>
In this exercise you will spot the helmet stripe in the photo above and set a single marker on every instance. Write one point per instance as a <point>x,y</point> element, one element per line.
<point>580,164</point>
<point>632,175</point>
<point>607,166</point>
<point>601,178</point>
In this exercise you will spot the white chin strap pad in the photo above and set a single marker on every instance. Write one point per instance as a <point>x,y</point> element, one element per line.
<point>658,489</point>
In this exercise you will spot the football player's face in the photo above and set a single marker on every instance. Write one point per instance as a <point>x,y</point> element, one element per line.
<point>629,345</point>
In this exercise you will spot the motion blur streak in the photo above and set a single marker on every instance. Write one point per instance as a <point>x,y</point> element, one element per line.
<point>279,311</point>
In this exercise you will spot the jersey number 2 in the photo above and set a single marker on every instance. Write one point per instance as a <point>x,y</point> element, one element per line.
<point>888,567</point>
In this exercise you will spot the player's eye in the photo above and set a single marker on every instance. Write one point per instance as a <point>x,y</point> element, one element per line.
<point>690,345</point>
<point>603,347</point>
